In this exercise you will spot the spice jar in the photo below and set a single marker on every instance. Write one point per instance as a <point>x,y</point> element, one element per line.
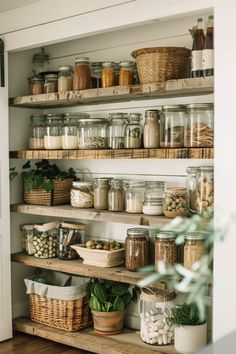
<point>191,184</point>
<point>37,84</point>
<point>50,84</point>
<point>65,78</point>
<point>27,238</point>
<point>199,126</point>
<point>153,198</point>
<point>82,74</point>
<point>136,248</point>
<point>96,74</point>
<point>151,129</point>
<point>126,74</point>
<point>176,202</point>
<point>165,248</point>
<point>116,196</point>
<point>36,140</point>
<point>68,235</point>
<point>116,130</point>
<point>101,189</point>
<point>40,62</point>
<point>70,130</point>
<point>205,190</point>
<point>81,195</point>
<point>134,196</point>
<point>45,240</point>
<point>92,133</point>
<point>155,307</point>
<point>172,126</point>
<point>108,74</point>
<point>194,248</point>
<point>52,131</point>
<point>134,132</point>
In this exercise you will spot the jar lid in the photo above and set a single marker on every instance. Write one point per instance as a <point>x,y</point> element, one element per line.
<point>178,190</point>
<point>135,116</point>
<point>38,118</point>
<point>152,294</point>
<point>78,184</point>
<point>51,76</point>
<point>36,78</point>
<point>166,235</point>
<point>136,184</point>
<point>27,227</point>
<point>56,116</point>
<point>74,117</point>
<point>81,60</point>
<point>126,63</point>
<point>65,68</point>
<point>200,235</point>
<point>93,120</point>
<point>108,64</point>
<point>206,168</point>
<point>153,113</point>
<point>192,169</point>
<point>137,232</point>
<point>40,57</point>
<point>155,184</point>
<point>103,180</point>
<point>200,106</point>
<point>95,64</point>
<point>176,107</point>
<point>118,115</point>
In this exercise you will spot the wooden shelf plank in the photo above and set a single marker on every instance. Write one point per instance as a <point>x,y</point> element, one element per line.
<point>128,342</point>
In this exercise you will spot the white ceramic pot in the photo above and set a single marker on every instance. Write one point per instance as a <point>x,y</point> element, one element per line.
<point>190,339</point>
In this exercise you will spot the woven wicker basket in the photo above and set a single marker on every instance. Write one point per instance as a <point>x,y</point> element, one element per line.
<point>161,63</point>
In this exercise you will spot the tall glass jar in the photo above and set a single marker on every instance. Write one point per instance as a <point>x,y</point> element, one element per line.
<point>65,78</point>
<point>96,74</point>
<point>176,202</point>
<point>82,194</point>
<point>137,248</point>
<point>52,131</point>
<point>126,74</point>
<point>92,133</point>
<point>40,62</point>
<point>134,196</point>
<point>134,132</point>
<point>82,74</point>
<point>172,126</point>
<point>199,127</point>
<point>50,84</point>
<point>37,85</point>
<point>194,248</point>
<point>101,189</point>
<point>205,190</point>
<point>108,74</point>
<point>151,130</point>
<point>116,130</point>
<point>191,184</point>
<point>165,248</point>
<point>69,234</point>
<point>153,198</point>
<point>36,140</point>
<point>69,131</point>
<point>116,196</point>
<point>27,238</point>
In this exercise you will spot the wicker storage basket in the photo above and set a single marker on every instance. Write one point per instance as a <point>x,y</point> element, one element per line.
<point>160,64</point>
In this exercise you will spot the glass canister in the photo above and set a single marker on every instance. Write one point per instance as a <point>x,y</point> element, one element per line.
<point>126,74</point>
<point>116,130</point>
<point>27,238</point>
<point>81,195</point>
<point>116,196</point>
<point>153,198</point>
<point>199,126</point>
<point>37,85</point>
<point>82,74</point>
<point>172,126</point>
<point>194,248</point>
<point>96,74</point>
<point>154,308</point>
<point>70,130</point>
<point>36,140</point>
<point>65,78</point>
<point>45,240</point>
<point>40,62</point>
<point>68,235</point>
<point>151,129</point>
<point>134,132</point>
<point>191,184</point>
<point>50,84</point>
<point>176,202</point>
<point>52,131</point>
<point>137,248</point>
<point>92,133</point>
<point>101,189</point>
<point>205,190</point>
<point>108,74</point>
<point>134,196</point>
<point>165,248</point>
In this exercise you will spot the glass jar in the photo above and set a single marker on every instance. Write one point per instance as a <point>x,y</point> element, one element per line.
<point>126,74</point>
<point>92,133</point>
<point>101,189</point>
<point>155,307</point>
<point>65,78</point>
<point>52,131</point>
<point>176,202</point>
<point>82,74</point>
<point>36,140</point>
<point>50,84</point>
<point>153,198</point>
<point>116,196</point>
<point>134,132</point>
<point>172,126</point>
<point>151,129</point>
<point>191,184</point>
<point>165,248</point>
<point>30,90</point>
<point>96,74</point>
<point>137,248</point>
<point>45,240</point>
<point>205,190</point>
<point>40,62</point>
<point>70,131</point>
<point>81,195</point>
<point>37,84</point>
<point>27,238</point>
<point>199,126</point>
<point>194,248</point>
<point>134,196</point>
<point>108,74</point>
<point>68,235</point>
<point>116,130</point>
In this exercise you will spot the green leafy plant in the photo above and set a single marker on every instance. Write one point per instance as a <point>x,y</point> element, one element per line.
<point>185,315</point>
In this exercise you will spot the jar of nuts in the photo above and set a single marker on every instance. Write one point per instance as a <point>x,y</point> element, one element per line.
<point>205,190</point>
<point>176,202</point>
<point>165,248</point>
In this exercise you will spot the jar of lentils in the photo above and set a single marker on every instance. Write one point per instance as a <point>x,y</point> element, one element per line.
<point>137,248</point>
<point>172,126</point>
<point>52,131</point>
<point>82,74</point>
<point>65,78</point>
<point>165,248</point>
<point>36,141</point>
<point>194,248</point>
<point>176,202</point>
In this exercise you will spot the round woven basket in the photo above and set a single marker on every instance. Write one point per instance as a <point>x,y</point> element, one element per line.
<point>160,64</point>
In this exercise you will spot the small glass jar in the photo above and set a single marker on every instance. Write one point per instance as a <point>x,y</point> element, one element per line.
<point>52,131</point>
<point>40,62</point>
<point>126,74</point>
<point>172,126</point>
<point>27,238</point>
<point>205,190</point>
<point>108,74</point>
<point>176,202</point>
<point>92,133</point>
<point>69,131</point>
<point>165,248</point>
<point>65,78</point>
<point>194,248</point>
<point>155,307</point>
<point>199,126</point>
<point>137,245</point>
<point>68,235</point>
<point>82,195</point>
<point>82,74</point>
<point>116,130</point>
<point>116,196</point>
<point>45,242</point>
<point>134,196</point>
<point>50,84</point>
<point>37,85</point>
<point>96,74</point>
<point>151,129</point>
<point>36,140</point>
<point>101,189</point>
<point>153,198</point>
<point>191,184</point>
<point>134,132</point>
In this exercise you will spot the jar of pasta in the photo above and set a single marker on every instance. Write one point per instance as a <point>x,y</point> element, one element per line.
<point>82,74</point>
<point>65,78</point>
<point>165,248</point>
<point>126,74</point>
<point>108,74</point>
<point>194,248</point>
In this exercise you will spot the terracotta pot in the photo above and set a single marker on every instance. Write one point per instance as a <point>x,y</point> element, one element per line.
<point>190,339</point>
<point>108,323</point>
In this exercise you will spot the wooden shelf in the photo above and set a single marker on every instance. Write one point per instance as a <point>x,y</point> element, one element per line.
<point>128,342</point>
<point>171,88</point>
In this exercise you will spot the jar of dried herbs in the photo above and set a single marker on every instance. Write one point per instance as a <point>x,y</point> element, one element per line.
<point>137,248</point>
<point>116,196</point>
<point>165,248</point>
<point>134,132</point>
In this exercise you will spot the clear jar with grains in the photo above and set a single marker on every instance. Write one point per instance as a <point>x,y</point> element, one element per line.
<point>36,140</point>
<point>134,132</point>
<point>92,133</point>
<point>101,189</point>
<point>65,78</point>
<point>82,74</point>
<point>52,131</point>
<point>165,248</point>
<point>191,184</point>
<point>126,74</point>
<point>172,126</point>
<point>151,129</point>
<point>37,85</point>
<point>153,198</point>
<point>96,74</point>
<point>45,240</point>
<point>194,248</point>
<point>176,202</point>
<point>116,130</point>
<point>70,129</point>
<point>199,125</point>
<point>205,190</point>
<point>137,244</point>
<point>27,238</point>
<point>40,62</point>
<point>134,196</point>
<point>108,74</point>
<point>116,196</point>
<point>69,234</point>
<point>50,84</point>
<point>82,195</point>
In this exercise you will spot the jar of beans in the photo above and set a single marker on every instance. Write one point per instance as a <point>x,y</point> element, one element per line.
<point>176,202</point>
<point>136,248</point>
<point>165,248</point>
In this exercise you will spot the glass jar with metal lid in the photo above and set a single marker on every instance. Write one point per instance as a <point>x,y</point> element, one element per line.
<point>40,62</point>
<point>37,84</point>
<point>69,234</point>
<point>199,125</point>
<point>194,248</point>
<point>137,248</point>
<point>116,130</point>
<point>134,132</point>
<point>70,129</point>
<point>176,202</point>
<point>36,140</point>
<point>153,198</point>
<point>172,126</point>
<point>101,189</point>
<point>166,248</point>
<point>134,196</point>
<point>65,78</point>
<point>92,133</point>
<point>52,131</point>
<point>82,195</point>
<point>50,84</point>
<point>82,74</point>
<point>205,190</point>
<point>96,74</point>
<point>108,74</point>
<point>126,74</point>
<point>116,196</point>
<point>191,184</point>
<point>151,129</point>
